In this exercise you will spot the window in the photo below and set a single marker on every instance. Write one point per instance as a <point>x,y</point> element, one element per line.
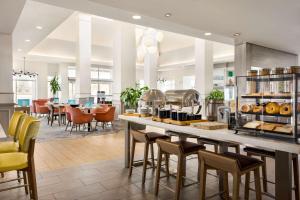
<point>72,72</point>
<point>166,85</point>
<point>101,80</point>
<point>72,80</point>
<point>72,89</point>
<point>188,82</point>
<point>24,88</point>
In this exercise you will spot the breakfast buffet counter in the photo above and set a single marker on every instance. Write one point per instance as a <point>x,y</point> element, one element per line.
<point>283,149</point>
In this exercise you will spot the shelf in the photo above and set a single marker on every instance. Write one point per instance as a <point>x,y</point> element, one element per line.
<point>269,79</point>
<point>266,114</point>
<point>253,130</point>
<point>266,97</point>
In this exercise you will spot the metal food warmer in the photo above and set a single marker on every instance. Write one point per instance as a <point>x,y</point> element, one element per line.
<point>152,98</point>
<point>176,103</point>
<point>267,103</point>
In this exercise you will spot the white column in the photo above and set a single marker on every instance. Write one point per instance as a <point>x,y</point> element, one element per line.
<point>64,81</point>
<point>203,69</point>
<point>298,59</point>
<point>150,69</point>
<point>6,59</point>
<point>6,89</point>
<point>83,62</point>
<point>124,60</point>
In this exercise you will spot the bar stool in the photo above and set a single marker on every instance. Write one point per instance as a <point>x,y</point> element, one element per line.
<point>149,138</point>
<point>263,154</point>
<point>181,149</point>
<point>216,144</point>
<point>233,163</point>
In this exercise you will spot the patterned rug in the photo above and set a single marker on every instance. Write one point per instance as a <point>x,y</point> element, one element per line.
<point>55,132</point>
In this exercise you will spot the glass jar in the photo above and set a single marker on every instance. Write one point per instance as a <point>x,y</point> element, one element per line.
<point>288,84</point>
<point>264,84</point>
<point>251,83</point>
<point>277,85</point>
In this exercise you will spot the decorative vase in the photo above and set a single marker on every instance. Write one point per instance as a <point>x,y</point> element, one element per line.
<point>212,109</point>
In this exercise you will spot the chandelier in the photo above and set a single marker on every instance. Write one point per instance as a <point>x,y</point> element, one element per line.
<point>24,72</point>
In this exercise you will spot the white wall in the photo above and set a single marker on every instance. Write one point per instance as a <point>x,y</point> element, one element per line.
<point>67,49</point>
<point>175,56</point>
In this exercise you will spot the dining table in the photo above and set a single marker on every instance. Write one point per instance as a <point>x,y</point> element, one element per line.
<point>283,149</point>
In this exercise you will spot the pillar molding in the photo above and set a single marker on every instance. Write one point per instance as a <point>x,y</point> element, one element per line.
<point>83,62</point>
<point>6,80</point>
<point>150,69</point>
<point>203,69</point>
<point>124,60</point>
<point>64,81</point>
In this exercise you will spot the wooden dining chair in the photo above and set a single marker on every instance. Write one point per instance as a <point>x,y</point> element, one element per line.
<point>24,159</point>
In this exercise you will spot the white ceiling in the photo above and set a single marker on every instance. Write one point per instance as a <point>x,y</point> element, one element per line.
<point>36,14</point>
<point>271,23</point>
<point>56,41</point>
<point>10,11</point>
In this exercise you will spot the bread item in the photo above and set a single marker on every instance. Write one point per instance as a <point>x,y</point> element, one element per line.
<point>258,108</point>
<point>272,108</point>
<point>253,124</point>
<point>284,129</point>
<point>247,108</point>
<point>285,109</point>
<point>267,126</point>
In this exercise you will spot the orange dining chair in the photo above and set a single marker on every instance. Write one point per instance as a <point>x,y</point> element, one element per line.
<point>41,107</point>
<point>78,118</point>
<point>68,111</point>
<point>102,108</point>
<point>105,117</point>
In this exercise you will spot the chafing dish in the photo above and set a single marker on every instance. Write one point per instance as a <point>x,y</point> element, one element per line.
<point>183,98</point>
<point>154,98</point>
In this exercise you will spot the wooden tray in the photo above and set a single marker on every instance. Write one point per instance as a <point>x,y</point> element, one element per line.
<point>175,122</point>
<point>210,125</point>
<point>136,115</point>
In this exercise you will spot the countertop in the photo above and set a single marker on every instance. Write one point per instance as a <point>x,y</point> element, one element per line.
<point>221,134</point>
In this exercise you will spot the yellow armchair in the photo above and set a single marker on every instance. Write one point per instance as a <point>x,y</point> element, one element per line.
<point>24,159</point>
<point>13,131</point>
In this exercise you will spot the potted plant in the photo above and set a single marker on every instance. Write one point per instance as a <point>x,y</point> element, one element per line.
<point>131,95</point>
<point>54,86</point>
<point>214,100</point>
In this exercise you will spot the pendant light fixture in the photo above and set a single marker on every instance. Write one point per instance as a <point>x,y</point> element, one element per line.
<point>24,72</point>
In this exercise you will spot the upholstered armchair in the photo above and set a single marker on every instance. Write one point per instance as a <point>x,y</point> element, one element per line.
<point>78,117</point>
<point>106,116</point>
<point>102,108</point>
<point>41,107</point>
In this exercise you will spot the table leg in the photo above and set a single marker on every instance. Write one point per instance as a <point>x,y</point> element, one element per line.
<point>283,175</point>
<point>127,143</point>
<point>223,149</point>
<point>183,138</point>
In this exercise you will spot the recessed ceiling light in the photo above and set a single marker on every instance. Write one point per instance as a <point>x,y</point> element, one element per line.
<point>207,34</point>
<point>39,27</point>
<point>236,34</point>
<point>168,14</point>
<point>27,40</point>
<point>19,50</point>
<point>136,17</point>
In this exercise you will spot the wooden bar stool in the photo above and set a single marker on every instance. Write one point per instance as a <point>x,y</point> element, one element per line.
<point>140,136</point>
<point>263,154</point>
<point>216,144</point>
<point>233,163</point>
<point>181,149</point>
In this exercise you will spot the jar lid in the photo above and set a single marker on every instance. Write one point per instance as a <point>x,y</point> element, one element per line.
<point>294,69</point>
<point>264,72</point>
<point>277,70</point>
<point>251,72</point>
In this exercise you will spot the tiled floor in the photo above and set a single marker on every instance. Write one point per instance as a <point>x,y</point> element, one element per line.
<point>91,168</point>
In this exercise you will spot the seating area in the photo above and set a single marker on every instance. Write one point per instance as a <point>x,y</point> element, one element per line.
<point>149,100</point>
